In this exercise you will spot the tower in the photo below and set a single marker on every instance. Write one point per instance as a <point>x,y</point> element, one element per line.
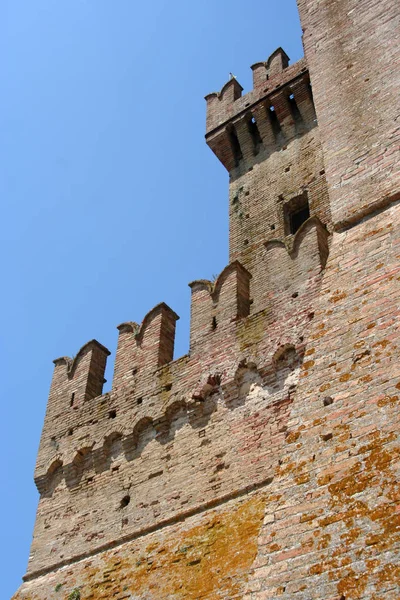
<point>264,463</point>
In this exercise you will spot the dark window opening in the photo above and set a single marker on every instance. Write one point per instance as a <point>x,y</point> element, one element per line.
<point>296,212</point>
<point>294,109</point>
<point>298,218</point>
<point>72,399</point>
<point>214,324</point>
<point>276,127</point>
<point>112,414</point>
<point>254,134</point>
<point>139,401</point>
<point>235,146</point>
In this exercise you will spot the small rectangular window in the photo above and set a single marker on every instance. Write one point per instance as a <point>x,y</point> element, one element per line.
<point>296,212</point>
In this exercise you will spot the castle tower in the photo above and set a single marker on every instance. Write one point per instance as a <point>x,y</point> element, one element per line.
<point>264,463</point>
<point>268,140</point>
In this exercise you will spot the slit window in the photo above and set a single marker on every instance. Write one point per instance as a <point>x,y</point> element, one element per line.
<point>276,128</point>
<point>254,134</point>
<point>233,138</point>
<point>296,212</point>
<point>294,108</point>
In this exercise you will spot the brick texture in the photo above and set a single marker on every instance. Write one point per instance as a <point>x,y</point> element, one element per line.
<point>265,463</point>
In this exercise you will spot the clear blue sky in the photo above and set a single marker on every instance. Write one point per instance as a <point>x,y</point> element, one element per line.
<point>111,200</point>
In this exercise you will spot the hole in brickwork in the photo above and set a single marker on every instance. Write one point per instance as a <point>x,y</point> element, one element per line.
<point>327,436</point>
<point>295,295</point>
<point>70,431</point>
<point>71,403</point>
<point>245,242</point>
<point>287,169</point>
<point>125,501</point>
<point>322,172</point>
<point>202,433</point>
<point>156,474</point>
<point>139,401</point>
<point>254,134</point>
<point>235,146</point>
<point>295,213</point>
<point>112,414</point>
<point>272,227</point>
<point>134,371</point>
<point>328,400</point>
<point>168,387</point>
<point>214,324</point>
<point>311,315</point>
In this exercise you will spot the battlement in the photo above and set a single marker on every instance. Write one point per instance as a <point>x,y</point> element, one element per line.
<point>279,107</point>
<point>145,347</point>
<point>265,461</point>
<point>247,333</point>
<point>148,385</point>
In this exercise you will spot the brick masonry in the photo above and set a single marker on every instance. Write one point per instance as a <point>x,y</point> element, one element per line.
<point>265,463</point>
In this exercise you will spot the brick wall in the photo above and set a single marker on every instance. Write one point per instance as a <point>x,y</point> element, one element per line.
<point>264,463</point>
<point>353,54</point>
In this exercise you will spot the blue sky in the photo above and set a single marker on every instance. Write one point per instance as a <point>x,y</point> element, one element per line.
<point>111,200</point>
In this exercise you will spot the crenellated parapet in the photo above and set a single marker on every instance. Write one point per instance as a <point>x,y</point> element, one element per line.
<point>111,466</point>
<point>231,319</point>
<point>145,347</point>
<point>216,304</point>
<point>279,107</point>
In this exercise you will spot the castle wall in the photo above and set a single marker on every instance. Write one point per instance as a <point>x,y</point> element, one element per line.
<point>184,436</point>
<point>325,525</point>
<point>334,529</point>
<point>265,463</point>
<point>353,54</point>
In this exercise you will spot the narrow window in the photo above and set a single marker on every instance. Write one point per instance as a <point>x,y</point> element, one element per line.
<point>276,127</point>
<point>296,212</point>
<point>233,138</point>
<point>254,134</point>
<point>294,109</point>
<point>71,403</point>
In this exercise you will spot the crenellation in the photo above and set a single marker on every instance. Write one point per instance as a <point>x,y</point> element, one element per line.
<point>145,347</point>
<point>263,463</point>
<point>230,104</point>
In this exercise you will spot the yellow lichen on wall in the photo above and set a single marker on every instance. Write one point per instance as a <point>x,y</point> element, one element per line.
<point>209,560</point>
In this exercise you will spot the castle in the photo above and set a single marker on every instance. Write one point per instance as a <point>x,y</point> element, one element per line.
<point>265,463</point>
